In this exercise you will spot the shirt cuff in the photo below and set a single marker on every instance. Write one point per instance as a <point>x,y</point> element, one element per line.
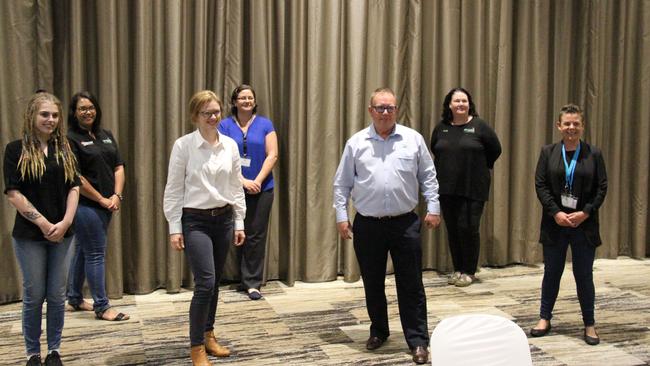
<point>342,216</point>
<point>175,228</point>
<point>239,224</point>
<point>433,208</point>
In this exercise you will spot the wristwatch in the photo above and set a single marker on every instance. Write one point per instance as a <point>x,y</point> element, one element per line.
<point>120,196</point>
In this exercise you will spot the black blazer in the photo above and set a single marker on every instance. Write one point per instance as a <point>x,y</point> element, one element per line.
<point>589,185</point>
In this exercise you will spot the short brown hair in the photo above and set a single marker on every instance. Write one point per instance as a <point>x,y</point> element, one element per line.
<point>570,109</point>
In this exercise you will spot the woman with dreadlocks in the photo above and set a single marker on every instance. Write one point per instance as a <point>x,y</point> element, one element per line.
<point>42,184</point>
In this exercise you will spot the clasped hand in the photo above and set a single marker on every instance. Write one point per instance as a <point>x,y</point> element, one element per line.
<point>54,232</point>
<point>573,219</point>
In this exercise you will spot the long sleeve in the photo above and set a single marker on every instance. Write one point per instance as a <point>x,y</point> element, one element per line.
<point>239,204</point>
<point>543,184</point>
<point>601,184</point>
<point>427,179</point>
<point>343,183</point>
<point>491,144</point>
<point>175,189</point>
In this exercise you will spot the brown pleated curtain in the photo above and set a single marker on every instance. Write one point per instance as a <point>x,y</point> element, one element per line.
<point>313,65</point>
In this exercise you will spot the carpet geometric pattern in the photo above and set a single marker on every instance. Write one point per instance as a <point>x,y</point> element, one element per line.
<point>327,323</point>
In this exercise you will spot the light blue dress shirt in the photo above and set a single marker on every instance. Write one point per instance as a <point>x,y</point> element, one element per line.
<point>384,176</point>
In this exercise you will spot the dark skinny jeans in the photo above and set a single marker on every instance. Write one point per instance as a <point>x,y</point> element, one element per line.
<point>207,239</point>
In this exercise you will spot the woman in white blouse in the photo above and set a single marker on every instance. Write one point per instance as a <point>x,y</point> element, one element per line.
<point>205,207</point>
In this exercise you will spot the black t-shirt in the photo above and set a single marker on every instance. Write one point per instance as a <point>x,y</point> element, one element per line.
<point>463,156</point>
<point>48,195</point>
<point>98,157</point>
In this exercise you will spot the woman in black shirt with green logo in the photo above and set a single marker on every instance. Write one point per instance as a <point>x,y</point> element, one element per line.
<point>102,181</point>
<point>465,148</point>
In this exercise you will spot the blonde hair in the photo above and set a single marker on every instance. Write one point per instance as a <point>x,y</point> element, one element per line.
<point>201,98</point>
<point>32,160</point>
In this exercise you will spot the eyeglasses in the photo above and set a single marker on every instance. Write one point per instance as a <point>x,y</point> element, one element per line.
<point>54,115</point>
<point>208,114</point>
<point>384,108</point>
<point>246,98</point>
<point>86,109</point>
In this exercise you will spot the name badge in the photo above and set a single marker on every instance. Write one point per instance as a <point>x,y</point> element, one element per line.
<point>245,162</point>
<point>569,201</point>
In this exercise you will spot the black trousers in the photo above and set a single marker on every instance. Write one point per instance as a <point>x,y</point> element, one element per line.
<point>250,256</point>
<point>373,240</point>
<point>583,255</point>
<point>463,219</point>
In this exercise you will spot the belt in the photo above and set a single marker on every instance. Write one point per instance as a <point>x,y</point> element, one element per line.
<point>208,211</point>
<point>387,217</point>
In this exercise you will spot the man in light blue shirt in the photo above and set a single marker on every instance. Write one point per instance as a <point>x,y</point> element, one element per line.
<point>382,169</point>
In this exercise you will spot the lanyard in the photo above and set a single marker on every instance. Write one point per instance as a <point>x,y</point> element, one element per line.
<point>244,143</point>
<point>569,169</point>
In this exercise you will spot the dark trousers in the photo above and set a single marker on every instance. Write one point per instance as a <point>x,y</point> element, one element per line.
<point>206,245</point>
<point>373,240</point>
<point>250,256</point>
<point>583,255</point>
<point>463,219</point>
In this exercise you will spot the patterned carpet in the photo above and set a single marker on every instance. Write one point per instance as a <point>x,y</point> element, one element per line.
<point>327,324</point>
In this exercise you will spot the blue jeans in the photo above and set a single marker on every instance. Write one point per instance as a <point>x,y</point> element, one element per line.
<point>89,254</point>
<point>207,239</point>
<point>44,267</point>
<point>583,255</point>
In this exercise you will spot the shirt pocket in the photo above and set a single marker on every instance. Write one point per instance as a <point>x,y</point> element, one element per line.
<point>405,162</point>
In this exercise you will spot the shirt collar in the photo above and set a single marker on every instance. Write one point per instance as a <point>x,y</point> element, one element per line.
<point>372,133</point>
<point>199,141</point>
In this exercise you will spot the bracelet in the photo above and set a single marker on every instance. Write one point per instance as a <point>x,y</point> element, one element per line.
<point>119,196</point>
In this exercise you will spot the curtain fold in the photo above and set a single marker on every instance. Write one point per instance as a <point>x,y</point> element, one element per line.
<point>313,66</point>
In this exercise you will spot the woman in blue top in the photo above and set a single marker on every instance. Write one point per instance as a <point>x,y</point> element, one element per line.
<point>258,148</point>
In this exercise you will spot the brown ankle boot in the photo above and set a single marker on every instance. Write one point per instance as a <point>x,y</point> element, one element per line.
<point>199,357</point>
<point>214,348</point>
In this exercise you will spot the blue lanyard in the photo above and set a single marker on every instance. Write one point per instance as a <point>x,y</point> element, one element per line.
<point>569,169</point>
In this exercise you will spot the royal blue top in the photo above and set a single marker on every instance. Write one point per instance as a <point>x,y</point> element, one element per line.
<point>252,146</point>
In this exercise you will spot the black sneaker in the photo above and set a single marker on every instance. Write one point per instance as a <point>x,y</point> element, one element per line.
<point>35,360</point>
<point>53,359</point>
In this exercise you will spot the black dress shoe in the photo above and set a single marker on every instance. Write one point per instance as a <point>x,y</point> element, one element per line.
<point>592,341</point>
<point>420,355</point>
<point>374,342</point>
<point>540,332</point>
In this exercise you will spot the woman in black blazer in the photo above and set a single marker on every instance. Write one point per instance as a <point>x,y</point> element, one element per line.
<point>571,184</point>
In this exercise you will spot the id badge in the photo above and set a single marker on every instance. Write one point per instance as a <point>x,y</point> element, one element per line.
<point>569,200</point>
<point>245,162</point>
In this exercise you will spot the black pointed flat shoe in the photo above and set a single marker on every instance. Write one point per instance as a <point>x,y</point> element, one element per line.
<point>592,341</point>
<point>540,332</point>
